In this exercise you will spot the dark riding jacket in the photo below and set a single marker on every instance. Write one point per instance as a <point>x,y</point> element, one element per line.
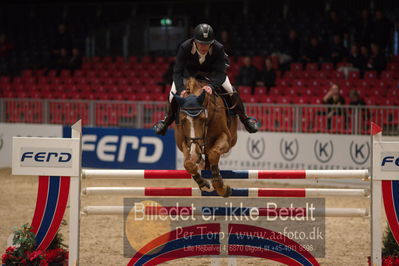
<point>188,64</point>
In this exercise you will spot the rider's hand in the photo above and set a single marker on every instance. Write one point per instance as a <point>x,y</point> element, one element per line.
<point>207,89</point>
<point>183,93</point>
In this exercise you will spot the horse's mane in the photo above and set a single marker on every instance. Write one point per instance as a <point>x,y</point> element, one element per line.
<point>194,86</point>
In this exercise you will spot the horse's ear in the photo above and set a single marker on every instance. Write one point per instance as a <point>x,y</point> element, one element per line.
<point>180,100</point>
<point>201,98</point>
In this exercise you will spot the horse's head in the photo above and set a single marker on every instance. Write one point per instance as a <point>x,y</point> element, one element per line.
<point>193,118</point>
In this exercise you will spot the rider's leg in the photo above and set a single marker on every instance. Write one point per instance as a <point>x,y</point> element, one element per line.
<point>161,127</point>
<point>251,125</point>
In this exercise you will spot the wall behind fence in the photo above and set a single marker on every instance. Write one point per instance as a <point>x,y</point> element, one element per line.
<point>119,148</point>
<point>266,150</point>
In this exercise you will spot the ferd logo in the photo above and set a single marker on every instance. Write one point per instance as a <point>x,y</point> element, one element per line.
<point>45,157</point>
<point>390,161</point>
<point>359,152</point>
<point>289,149</point>
<point>256,147</point>
<point>323,150</point>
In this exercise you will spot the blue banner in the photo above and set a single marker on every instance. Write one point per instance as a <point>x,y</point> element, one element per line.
<point>122,148</point>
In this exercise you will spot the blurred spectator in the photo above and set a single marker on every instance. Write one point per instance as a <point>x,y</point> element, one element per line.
<point>356,62</point>
<point>225,40</point>
<point>355,99</point>
<point>62,61</point>
<point>363,28</point>
<point>381,30</point>
<point>337,51</point>
<point>365,52</point>
<point>333,97</point>
<point>313,52</point>
<point>290,51</point>
<point>334,26</point>
<point>5,46</point>
<point>346,41</point>
<point>63,40</point>
<point>248,73</point>
<point>75,62</point>
<point>377,61</point>
<point>362,114</point>
<point>267,76</point>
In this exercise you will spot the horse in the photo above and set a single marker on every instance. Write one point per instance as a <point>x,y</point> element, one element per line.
<point>203,133</point>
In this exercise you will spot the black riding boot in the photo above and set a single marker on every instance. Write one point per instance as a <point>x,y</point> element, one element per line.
<point>251,125</point>
<point>161,127</point>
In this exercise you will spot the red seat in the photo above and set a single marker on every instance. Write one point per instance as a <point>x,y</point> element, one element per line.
<point>389,75</point>
<point>393,93</point>
<point>8,94</point>
<point>327,66</point>
<point>370,74</point>
<point>393,66</point>
<point>320,124</point>
<point>338,125</point>
<point>252,99</point>
<point>283,100</point>
<point>322,75</point>
<point>260,90</point>
<point>163,97</point>
<point>21,94</point>
<point>370,100</point>
<point>301,100</point>
<point>292,74</point>
<point>353,75</point>
<point>293,91</point>
<point>154,89</point>
<point>316,100</point>
<point>388,101</point>
<point>384,84</point>
<point>286,123</point>
<point>308,92</point>
<point>337,75</point>
<point>312,67</point>
<point>245,90</point>
<point>296,66</point>
<point>269,99</point>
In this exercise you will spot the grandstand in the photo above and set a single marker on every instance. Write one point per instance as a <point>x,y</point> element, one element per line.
<point>120,82</point>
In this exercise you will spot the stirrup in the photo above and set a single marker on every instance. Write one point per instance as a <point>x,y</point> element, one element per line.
<point>251,124</point>
<point>160,127</point>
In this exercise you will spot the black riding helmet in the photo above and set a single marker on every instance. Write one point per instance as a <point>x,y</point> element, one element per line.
<point>203,33</point>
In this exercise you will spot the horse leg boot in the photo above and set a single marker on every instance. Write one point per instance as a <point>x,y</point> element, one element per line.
<point>250,124</point>
<point>202,183</point>
<point>218,184</point>
<point>193,169</point>
<point>161,127</point>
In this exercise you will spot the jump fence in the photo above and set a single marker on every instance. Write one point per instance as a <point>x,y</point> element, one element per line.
<point>381,183</point>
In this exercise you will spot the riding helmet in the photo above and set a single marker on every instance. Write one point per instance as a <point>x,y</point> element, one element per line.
<point>203,33</point>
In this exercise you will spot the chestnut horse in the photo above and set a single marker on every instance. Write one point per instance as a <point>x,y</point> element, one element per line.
<point>203,133</point>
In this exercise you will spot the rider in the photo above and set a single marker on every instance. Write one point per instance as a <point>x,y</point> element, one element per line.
<point>203,55</point>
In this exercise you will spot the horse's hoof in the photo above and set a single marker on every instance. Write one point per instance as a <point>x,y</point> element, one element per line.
<point>206,187</point>
<point>227,192</point>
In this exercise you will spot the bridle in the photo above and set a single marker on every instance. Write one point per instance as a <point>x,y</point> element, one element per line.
<point>199,141</point>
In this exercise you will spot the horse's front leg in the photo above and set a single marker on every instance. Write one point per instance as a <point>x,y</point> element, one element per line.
<point>192,167</point>
<point>221,146</point>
